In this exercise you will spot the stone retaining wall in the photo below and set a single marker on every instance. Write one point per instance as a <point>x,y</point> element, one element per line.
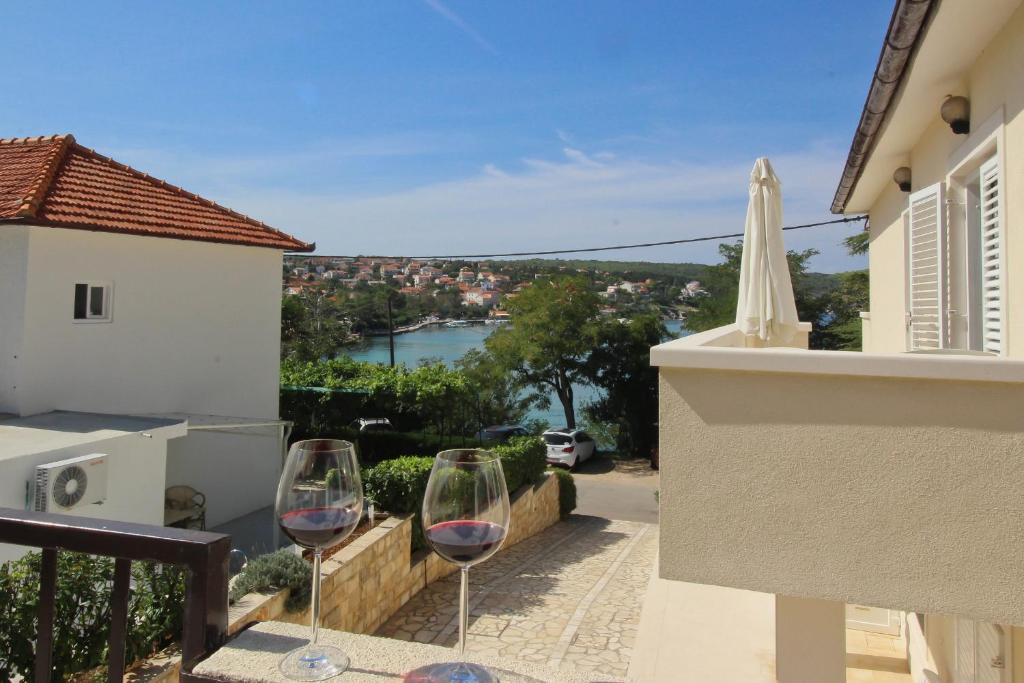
<point>368,580</point>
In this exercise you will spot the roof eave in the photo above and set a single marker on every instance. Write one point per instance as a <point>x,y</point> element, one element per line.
<point>907,27</point>
<point>297,247</point>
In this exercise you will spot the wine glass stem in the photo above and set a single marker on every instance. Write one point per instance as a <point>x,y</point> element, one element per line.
<point>463,611</point>
<point>315,620</point>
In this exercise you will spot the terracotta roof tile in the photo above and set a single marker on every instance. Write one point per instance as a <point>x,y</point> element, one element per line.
<point>54,181</point>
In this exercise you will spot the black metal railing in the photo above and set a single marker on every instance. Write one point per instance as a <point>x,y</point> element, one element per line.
<point>204,555</point>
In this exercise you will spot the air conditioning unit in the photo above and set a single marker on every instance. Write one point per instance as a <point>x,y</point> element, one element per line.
<point>70,484</point>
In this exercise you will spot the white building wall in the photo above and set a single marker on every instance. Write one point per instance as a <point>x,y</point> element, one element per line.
<point>13,276</point>
<point>195,327</point>
<point>135,481</point>
<point>236,471</point>
<point>996,92</point>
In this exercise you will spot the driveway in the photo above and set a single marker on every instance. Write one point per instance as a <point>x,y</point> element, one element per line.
<point>569,596</point>
<point>617,489</point>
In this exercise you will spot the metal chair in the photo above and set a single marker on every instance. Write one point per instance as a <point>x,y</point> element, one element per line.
<point>184,507</point>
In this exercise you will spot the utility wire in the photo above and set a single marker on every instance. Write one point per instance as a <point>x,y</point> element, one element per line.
<point>448,257</point>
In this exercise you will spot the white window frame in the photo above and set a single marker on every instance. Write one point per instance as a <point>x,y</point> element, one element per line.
<point>108,301</point>
<point>985,142</point>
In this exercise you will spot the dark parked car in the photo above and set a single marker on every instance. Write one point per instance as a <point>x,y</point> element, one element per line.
<point>501,433</point>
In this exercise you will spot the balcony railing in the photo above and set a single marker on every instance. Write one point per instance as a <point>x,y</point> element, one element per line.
<point>204,555</point>
<point>890,480</point>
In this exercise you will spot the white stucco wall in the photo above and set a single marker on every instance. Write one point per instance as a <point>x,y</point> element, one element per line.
<point>894,492</point>
<point>195,327</point>
<point>13,277</point>
<point>236,471</point>
<point>996,90</point>
<point>195,330</point>
<point>135,480</point>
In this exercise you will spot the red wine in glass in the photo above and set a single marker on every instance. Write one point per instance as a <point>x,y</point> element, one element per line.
<point>465,541</point>
<point>465,520</point>
<point>319,502</point>
<point>319,527</point>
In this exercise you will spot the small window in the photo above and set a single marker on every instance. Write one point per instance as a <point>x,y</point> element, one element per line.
<point>92,302</point>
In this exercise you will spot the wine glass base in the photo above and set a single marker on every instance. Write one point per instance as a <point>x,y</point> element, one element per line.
<point>453,672</point>
<point>314,663</point>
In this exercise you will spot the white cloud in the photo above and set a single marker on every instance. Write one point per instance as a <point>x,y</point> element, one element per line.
<point>575,201</point>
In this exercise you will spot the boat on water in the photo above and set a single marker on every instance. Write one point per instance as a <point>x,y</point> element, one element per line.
<point>457,323</point>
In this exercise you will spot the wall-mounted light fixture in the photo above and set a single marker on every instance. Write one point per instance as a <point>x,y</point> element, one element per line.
<point>902,177</point>
<point>956,111</point>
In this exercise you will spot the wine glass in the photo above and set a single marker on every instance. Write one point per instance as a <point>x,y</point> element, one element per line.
<point>465,520</point>
<point>319,502</point>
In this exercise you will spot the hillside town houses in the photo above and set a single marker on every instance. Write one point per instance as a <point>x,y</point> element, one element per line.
<point>487,288</point>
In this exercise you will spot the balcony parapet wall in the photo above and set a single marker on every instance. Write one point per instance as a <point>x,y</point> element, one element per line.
<point>892,481</point>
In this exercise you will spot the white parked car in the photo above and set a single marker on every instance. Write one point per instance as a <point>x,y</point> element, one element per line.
<point>568,446</point>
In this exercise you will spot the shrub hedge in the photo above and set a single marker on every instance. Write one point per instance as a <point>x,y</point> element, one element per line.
<point>566,490</point>
<point>272,572</point>
<point>82,612</point>
<point>523,459</point>
<point>398,486</point>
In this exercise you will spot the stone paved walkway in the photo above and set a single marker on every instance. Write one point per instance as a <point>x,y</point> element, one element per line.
<point>570,596</point>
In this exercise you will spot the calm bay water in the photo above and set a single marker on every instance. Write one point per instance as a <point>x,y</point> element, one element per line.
<point>448,344</point>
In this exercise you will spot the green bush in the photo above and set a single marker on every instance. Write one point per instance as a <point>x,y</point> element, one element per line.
<point>566,490</point>
<point>270,573</point>
<point>523,459</point>
<point>398,486</point>
<point>82,612</point>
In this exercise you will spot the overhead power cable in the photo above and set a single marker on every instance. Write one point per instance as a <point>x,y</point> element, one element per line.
<point>617,247</point>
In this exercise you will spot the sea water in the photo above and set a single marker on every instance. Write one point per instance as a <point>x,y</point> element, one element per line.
<point>448,344</point>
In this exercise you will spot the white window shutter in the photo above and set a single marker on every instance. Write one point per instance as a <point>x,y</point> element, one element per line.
<point>927,268</point>
<point>966,651</point>
<point>991,258</point>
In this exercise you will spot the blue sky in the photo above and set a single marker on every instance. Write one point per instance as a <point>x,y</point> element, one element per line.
<point>455,125</point>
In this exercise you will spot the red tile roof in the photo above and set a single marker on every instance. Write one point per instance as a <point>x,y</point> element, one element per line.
<point>54,181</point>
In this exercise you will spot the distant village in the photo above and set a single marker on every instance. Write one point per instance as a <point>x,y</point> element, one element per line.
<point>484,286</point>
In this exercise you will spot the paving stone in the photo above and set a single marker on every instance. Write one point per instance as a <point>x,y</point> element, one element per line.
<point>569,596</point>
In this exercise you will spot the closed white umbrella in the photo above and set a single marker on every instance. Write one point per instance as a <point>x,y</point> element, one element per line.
<point>766,307</point>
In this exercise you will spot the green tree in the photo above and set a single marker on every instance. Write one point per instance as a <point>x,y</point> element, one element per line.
<point>312,326</point>
<point>547,345</point>
<point>832,304</point>
<point>367,308</point>
<point>845,302</point>
<point>722,281</point>
<point>857,243</point>
<point>620,365</point>
<point>843,331</point>
<point>497,395</point>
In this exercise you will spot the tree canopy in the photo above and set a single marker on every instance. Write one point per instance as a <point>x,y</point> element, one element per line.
<point>833,309</point>
<point>312,327</point>
<point>550,338</point>
<point>619,363</point>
